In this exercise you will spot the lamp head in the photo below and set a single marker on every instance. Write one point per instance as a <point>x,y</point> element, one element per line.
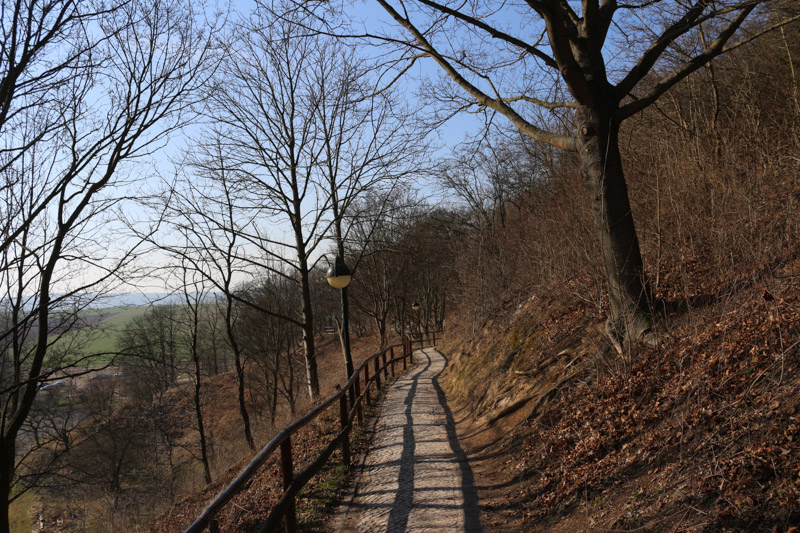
<point>339,274</point>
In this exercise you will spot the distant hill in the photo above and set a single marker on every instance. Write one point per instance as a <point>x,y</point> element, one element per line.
<point>105,301</point>
<point>135,299</point>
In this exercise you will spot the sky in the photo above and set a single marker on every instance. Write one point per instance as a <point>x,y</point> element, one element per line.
<point>162,164</point>
<point>150,173</point>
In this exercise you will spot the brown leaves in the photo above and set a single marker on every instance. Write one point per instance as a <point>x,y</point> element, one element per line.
<point>715,428</point>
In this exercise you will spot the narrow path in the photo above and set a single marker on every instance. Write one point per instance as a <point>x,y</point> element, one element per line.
<point>415,476</point>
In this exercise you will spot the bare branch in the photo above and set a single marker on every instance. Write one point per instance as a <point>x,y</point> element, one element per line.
<point>493,32</point>
<point>716,48</point>
<point>691,19</point>
<point>561,141</point>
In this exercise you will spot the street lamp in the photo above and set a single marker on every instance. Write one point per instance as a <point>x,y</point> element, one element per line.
<point>339,276</point>
<point>415,307</point>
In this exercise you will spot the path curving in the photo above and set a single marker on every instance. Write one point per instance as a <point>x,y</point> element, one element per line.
<point>415,476</point>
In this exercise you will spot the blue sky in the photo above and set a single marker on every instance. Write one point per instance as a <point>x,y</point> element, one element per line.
<point>148,175</point>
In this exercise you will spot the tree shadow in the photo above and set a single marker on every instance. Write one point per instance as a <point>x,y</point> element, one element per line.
<point>404,499</point>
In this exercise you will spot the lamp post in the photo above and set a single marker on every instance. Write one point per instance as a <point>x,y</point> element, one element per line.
<point>339,276</point>
<point>415,307</point>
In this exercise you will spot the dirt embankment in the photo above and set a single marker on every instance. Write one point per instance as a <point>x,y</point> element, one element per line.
<point>701,433</point>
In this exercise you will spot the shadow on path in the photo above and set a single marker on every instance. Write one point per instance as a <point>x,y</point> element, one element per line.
<point>421,404</point>
<point>472,520</point>
<point>404,499</point>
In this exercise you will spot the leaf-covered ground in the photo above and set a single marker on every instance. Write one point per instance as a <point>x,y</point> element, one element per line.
<point>701,433</point>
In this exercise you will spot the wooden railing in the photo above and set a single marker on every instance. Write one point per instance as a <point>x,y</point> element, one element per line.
<point>382,362</point>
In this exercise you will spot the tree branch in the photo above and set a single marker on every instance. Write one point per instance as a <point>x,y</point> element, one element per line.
<point>561,141</point>
<point>716,48</point>
<point>492,31</point>
<point>690,20</point>
<point>542,103</point>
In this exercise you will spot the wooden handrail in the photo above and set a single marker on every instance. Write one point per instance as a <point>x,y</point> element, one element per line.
<point>293,484</point>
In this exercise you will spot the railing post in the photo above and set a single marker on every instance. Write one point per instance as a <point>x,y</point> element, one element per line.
<point>346,441</point>
<point>366,383</point>
<point>378,371</point>
<point>434,337</point>
<point>391,357</point>
<point>359,413</point>
<point>385,369</point>
<point>287,469</point>
<point>405,356</point>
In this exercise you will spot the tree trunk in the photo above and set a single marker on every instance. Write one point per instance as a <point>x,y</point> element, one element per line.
<point>380,322</point>
<point>310,353</point>
<point>308,341</point>
<point>239,366</point>
<point>601,168</point>
<point>7,456</point>
<point>240,377</point>
<point>200,426</point>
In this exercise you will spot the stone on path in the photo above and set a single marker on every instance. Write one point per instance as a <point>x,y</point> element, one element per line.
<point>415,476</point>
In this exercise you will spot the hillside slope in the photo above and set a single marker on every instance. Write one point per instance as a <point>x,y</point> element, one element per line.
<point>249,509</point>
<point>701,433</point>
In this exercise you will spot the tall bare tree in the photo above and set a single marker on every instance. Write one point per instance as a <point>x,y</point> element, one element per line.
<point>302,135</point>
<point>569,73</point>
<point>83,91</point>
<point>264,106</point>
<point>208,224</point>
<point>195,295</point>
<point>368,146</point>
<point>376,228</point>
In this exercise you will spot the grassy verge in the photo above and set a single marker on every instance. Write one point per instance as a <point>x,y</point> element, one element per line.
<point>19,512</point>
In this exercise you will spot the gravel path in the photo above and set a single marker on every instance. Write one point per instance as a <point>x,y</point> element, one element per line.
<point>415,476</point>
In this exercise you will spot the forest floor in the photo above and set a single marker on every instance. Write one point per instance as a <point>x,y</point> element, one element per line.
<point>701,433</point>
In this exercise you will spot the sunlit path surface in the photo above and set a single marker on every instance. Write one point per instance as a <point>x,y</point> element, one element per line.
<point>415,476</point>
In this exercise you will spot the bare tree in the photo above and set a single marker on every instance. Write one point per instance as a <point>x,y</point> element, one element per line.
<point>45,49</point>
<point>376,227</point>
<point>149,346</point>
<point>205,223</point>
<point>271,343</point>
<point>368,146</point>
<point>195,296</point>
<point>264,107</point>
<point>83,92</point>
<point>568,74</point>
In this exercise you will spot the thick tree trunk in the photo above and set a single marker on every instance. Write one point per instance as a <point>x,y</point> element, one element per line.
<point>601,167</point>
<point>380,322</point>
<point>7,456</point>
